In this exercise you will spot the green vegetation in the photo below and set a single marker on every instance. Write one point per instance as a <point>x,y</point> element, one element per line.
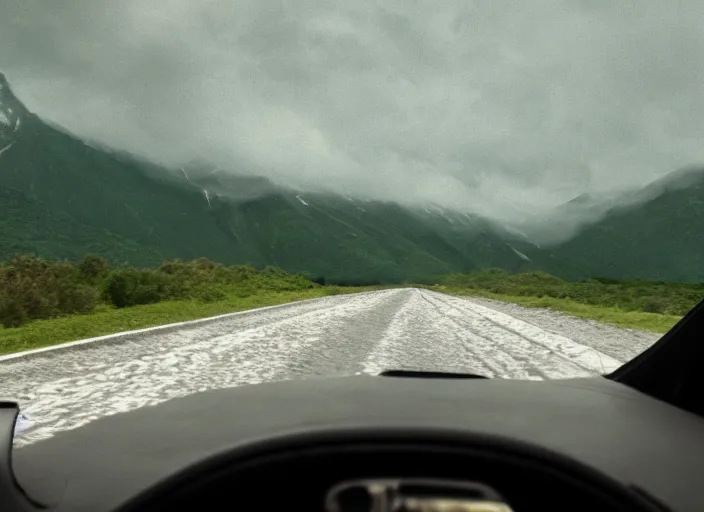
<point>653,306</point>
<point>33,288</point>
<point>61,198</point>
<point>46,302</point>
<point>108,320</point>
<point>653,322</point>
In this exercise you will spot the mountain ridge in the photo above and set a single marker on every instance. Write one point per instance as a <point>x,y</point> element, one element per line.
<point>62,197</point>
<point>65,197</point>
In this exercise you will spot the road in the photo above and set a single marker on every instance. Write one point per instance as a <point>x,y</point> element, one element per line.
<point>336,335</point>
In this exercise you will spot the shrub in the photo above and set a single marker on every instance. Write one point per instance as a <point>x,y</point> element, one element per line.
<point>653,305</point>
<point>635,295</point>
<point>208,294</point>
<point>79,299</point>
<point>92,268</point>
<point>12,313</point>
<point>243,293</point>
<point>117,290</point>
<point>130,287</point>
<point>273,271</point>
<point>32,288</point>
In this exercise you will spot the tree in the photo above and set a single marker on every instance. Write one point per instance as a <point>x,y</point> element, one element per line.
<point>93,268</point>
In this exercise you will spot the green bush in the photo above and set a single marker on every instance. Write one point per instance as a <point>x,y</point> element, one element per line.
<point>118,290</point>
<point>131,287</point>
<point>653,305</point>
<point>208,294</point>
<point>12,313</point>
<point>92,268</point>
<point>79,299</point>
<point>32,288</point>
<point>631,295</point>
<point>273,271</point>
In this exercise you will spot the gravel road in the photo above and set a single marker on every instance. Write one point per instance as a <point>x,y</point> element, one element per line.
<point>337,335</point>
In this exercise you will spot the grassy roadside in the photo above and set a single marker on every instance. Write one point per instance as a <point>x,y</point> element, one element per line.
<point>654,322</point>
<point>631,303</point>
<point>108,320</point>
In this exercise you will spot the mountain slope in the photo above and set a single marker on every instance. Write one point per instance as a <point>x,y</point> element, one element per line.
<point>64,197</point>
<point>30,226</point>
<point>659,236</point>
<point>61,176</point>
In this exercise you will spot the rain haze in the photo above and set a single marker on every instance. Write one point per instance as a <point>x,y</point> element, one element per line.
<point>504,108</point>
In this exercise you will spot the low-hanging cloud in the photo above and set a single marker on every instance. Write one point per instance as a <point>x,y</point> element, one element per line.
<point>503,107</point>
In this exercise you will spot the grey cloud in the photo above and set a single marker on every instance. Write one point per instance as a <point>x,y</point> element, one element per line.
<point>505,107</point>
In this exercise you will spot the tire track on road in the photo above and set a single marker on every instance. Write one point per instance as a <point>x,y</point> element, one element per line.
<point>420,337</point>
<point>510,365</point>
<point>589,359</point>
<point>340,335</point>
<point>69,389</point>
<point>99,355</point>
<point>528,359</point>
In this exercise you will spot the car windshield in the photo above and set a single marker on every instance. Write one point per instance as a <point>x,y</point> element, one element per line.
<point>197,195</point>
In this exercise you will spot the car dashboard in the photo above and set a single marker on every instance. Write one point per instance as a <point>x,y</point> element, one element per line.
<point>578,444</point>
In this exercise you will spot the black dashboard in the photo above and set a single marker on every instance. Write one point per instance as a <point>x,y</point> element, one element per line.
<point>578,444</point>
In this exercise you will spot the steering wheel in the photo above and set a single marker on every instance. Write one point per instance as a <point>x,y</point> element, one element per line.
<point>391,470</point>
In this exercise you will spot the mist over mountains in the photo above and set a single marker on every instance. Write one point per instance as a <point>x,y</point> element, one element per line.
<point>62,196</point>
<point>487,108</point>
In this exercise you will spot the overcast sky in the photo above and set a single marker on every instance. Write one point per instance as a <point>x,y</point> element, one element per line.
<point>500,106</point>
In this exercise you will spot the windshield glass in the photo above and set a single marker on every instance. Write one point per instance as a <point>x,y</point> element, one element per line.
<point>198,195</point>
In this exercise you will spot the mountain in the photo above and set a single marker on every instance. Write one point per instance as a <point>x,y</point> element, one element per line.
<point>344,238</point>
<point>566,220</point>
<point>63,197</point>
<point>656,234</point>
<point>66,198</point>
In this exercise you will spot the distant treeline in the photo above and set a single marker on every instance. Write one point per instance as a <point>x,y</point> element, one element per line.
<point>33,288</point>
<point>353,282</point>
<point>36,288</point>
<point>629,295</point>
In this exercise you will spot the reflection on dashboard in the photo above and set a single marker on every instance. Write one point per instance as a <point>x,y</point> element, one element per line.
<point>413,495</point>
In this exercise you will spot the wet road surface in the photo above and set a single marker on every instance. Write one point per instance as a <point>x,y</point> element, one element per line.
<point>337,335</point>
